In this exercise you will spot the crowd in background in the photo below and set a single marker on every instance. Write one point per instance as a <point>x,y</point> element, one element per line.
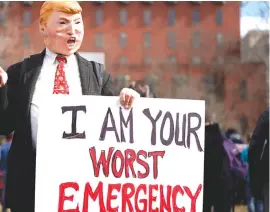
<point>231,175</point>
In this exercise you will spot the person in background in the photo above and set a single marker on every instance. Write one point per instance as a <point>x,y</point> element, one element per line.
<point>239,181</point>
<point>254,204</point>
<point>142,88</point>
<point>3,165</point>
<point>258,160</point>
<point>217,174</point>
<point>232,134</point>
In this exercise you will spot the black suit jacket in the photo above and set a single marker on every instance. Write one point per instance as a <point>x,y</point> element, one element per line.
<point>218,181</point>
<point>15,102</point>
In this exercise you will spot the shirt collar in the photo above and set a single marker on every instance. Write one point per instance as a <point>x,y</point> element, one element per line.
<point>51,57</point>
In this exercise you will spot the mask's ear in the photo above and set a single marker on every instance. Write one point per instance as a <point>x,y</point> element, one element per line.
<point>42,30</point>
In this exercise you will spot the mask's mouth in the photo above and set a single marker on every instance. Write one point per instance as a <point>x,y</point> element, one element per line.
<point>71,40</point>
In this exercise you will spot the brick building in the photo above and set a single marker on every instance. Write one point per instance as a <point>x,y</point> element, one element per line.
<point>183,49</point>
<point>132,33</point>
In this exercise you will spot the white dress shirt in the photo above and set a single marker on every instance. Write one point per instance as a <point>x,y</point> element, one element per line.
<point>45,84</point>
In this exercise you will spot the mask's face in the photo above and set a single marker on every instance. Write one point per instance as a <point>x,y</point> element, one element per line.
<point>63,32</point>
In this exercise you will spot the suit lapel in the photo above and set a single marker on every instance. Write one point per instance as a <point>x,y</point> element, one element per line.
<point>88,77</point>
<point>31,73</point>
<point>84,74</point>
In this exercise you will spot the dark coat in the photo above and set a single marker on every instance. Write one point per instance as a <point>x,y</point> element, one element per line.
<point>15,102</point>
<point>218,179</point>
<point>258,156</point>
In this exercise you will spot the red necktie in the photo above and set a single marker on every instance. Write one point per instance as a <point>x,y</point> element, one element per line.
<point>60,82</point>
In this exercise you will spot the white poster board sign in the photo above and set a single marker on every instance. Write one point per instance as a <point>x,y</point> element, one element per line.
<point>92,155</point>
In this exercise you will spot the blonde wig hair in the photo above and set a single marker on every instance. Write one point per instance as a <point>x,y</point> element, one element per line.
<point>69,7</point>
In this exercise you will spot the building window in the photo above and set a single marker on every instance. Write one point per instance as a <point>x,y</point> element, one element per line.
<point>125,2</point>
<point>147,2</point>
<point>172,2</point>
<point>147,60</point>
<point>172,59</point>
<point>196,40</point>
<point>243,124</point>
<point>99,2</point>
<point>195,2</point>
<point>27,3</point>
<point>243,90</point>
<point>26,40</point>
<point>196,60</point>
<point>147,17</point>
<point>99,17</point>
<point>5,4</point>
<point>209,83</point>
<point>195,16</point>
<point>27,18</point>
<point>221,2</point>
<point>219,17</point>
<point>99,40</point>
<point>171,40</point>
<point>147,39</point>
<point>123,40</point>
<point>123,60</point>
<point>3,17</point>
<point>219,40</point>
<point>123,17</point>
<point>171,17</point>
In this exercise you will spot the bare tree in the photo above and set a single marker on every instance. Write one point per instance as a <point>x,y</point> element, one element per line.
<point>255,47</point>
<point>215,74</point>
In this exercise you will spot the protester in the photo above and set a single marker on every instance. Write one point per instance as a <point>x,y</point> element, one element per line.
<point>3,165</point>
<point>217,173</point>
<point>142,88</point>
<point>58,70</point>
<point>233,135</point>
<point>254,204</point>
<point>258,158</point>
<point>234,142</point>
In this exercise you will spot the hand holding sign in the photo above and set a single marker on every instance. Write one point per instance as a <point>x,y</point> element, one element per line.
<point>127,97</point>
